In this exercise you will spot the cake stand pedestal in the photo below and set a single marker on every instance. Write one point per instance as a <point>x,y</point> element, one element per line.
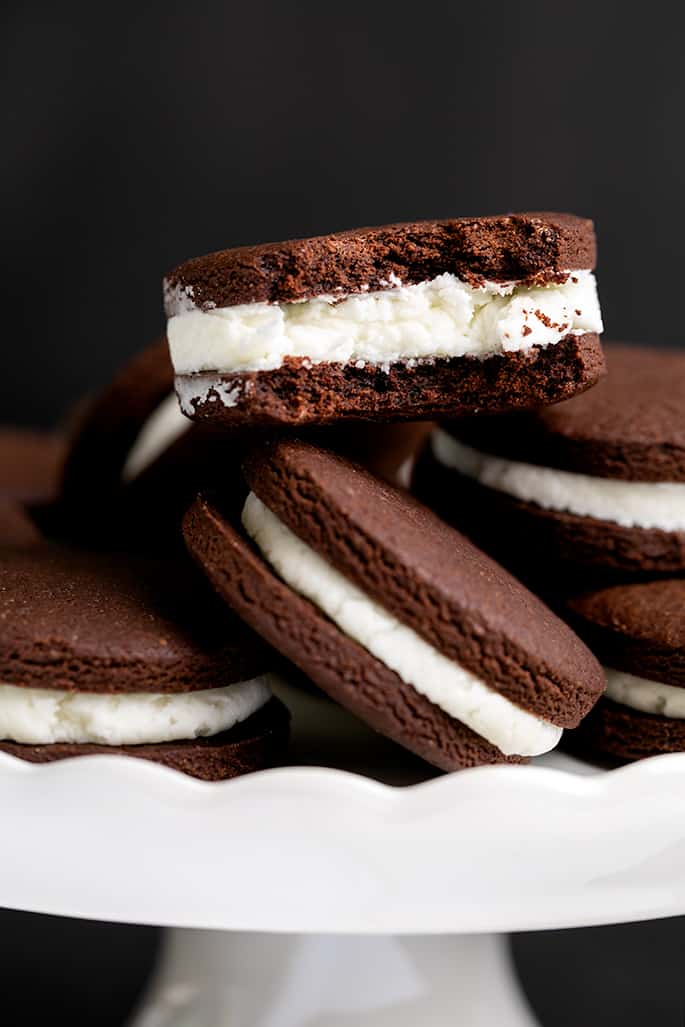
<point>272,980</point>
<point>311,895</point>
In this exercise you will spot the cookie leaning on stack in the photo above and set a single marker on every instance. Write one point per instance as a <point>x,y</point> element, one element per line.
<point>391,612</point>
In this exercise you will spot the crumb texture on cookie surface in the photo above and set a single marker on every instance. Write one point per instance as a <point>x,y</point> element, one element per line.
<point>512,247</point>
<point>76,621</point>
<point>301,393</point>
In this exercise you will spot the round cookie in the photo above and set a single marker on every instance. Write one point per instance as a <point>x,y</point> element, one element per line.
<point>638,632</point>
<point>391,612</point>
<point>403,322</point>
<point>597,482</point>
<point>132,657</point>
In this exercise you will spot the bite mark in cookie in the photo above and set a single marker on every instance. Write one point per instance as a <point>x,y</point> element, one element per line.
<point>382,300</point>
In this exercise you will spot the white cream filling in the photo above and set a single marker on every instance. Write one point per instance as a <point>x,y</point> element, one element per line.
<point>632,504</point>
<point>162,428</point>
<point>42,716</point>
<point>453,688</point>
<point>645,695</point>
<point>442,317</point>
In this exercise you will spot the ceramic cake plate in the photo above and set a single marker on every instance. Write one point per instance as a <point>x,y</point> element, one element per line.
<point>356,887</point>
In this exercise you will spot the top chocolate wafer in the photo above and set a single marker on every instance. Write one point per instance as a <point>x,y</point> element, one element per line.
<point>384,323</point>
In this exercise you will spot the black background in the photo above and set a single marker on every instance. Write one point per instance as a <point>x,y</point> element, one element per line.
<point>135,139</point>
<point>138,135</point>
<point>60,971</point>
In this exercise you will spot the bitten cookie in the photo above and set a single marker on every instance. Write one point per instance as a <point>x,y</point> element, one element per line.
<point>135,657</point>
<point>638,632</point>
<point>597,482</point>
<point>391,612</point>
<point>402,322</point>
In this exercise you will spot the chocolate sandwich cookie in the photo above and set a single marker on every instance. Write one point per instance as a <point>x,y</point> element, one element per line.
<point>390,323</point>
<point>638,632</point>
<point>135,657</point>
<point>596,482</point>
<point>391,612</point>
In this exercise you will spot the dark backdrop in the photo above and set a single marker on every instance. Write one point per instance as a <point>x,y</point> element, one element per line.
<point>136,135</point>
<point>136,138</point>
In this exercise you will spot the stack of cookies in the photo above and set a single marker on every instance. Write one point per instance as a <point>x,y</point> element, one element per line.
<point>585,501</point>
<point>236,503</point>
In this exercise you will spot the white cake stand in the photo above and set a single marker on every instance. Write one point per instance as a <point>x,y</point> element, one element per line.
<point>327,898</point>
